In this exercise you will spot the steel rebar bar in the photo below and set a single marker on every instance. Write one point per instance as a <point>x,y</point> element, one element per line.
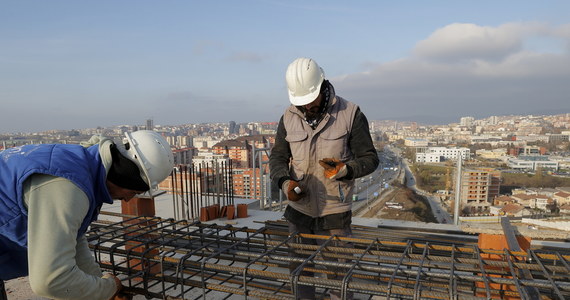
<point>162,258</point>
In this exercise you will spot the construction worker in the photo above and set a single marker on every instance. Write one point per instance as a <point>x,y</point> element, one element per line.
<point>49,194</point>
<point>322,145</point>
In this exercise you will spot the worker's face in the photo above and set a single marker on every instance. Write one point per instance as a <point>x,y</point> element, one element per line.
<point>312,109</point>
<point>120,193</point>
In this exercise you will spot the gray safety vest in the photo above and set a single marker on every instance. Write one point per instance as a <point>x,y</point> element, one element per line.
<point>329,140</point>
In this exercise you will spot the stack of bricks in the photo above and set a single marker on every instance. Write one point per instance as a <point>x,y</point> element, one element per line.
<point>212,212</point>
<point>140,206</point>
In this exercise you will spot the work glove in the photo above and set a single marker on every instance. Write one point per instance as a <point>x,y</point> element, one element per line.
<point>292,190</point>
<point>334,168</point>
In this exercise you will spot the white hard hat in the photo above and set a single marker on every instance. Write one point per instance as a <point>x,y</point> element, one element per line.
<point>304,79</point>
<point>151,153</point>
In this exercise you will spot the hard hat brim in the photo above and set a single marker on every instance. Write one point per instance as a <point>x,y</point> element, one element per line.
<point>305,99</point>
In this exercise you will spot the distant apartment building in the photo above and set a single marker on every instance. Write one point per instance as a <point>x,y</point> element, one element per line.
<point>558,138</point>
<point>466,121</point>
<point>239,152</point>
<point>548,192</point>
<point>232,127</point>
<point>210,158</point>
<point>244,153</point>
<point>536,191</point>
<point>247,184</point>
<point>563,162</point>
<point>268,128</point>
<point>511,210</point>
<point>428,158</point>
<point>527,150</point>
<point>532,163</point>
<point>562,198</point>
<point>532,201</point>
<point>409,142</point>
<point>184,156</point>
<point>531,138</point>
<point>149,124</point>
<point>491,154</point>
<point>205,142</point>
<point>503,200</point>
<point>439,154</point>
<point>519,191</point>
<point>479,187</point>
<point>255,128</point>
<point>541,202</point>
<point>259,140</point>
<point>485,139</point>
<point>179,141</point>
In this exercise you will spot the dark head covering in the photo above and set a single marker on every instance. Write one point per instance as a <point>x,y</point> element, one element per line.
<point>125,173</point>
<point>314,120</point>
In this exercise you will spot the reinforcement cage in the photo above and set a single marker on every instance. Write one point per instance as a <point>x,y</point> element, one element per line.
<point>169,259</point>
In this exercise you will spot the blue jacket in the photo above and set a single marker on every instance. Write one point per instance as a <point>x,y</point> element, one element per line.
<point>82,166</point>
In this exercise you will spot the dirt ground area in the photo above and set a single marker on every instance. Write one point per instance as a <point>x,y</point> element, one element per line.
<point>399,203</point>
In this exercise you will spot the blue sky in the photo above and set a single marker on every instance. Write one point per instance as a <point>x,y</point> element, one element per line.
<point>83,64</point>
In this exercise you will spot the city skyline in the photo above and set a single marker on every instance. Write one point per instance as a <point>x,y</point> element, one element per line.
<point>68,65</point>
<point>510,121</point>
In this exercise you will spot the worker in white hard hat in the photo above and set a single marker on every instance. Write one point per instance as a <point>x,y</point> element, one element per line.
<point>50,194</point>
<point>322,145</point>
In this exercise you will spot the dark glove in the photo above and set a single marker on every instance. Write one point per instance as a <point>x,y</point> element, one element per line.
<point>292,190</point>
<point>334,168</point>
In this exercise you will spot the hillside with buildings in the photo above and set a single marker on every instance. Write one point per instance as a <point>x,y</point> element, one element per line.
<point>500,157</point>
<point>222,168</point>
<point>230,158</point>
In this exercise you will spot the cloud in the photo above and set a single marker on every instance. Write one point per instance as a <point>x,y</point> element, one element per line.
<point>463,41</point>
<point>465,69</point>
<point>562,31</point>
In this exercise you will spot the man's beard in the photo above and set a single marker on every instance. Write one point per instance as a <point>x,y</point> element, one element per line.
<point>313,113</point>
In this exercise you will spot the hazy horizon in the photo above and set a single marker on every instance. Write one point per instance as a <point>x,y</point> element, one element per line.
<point>67,64</point>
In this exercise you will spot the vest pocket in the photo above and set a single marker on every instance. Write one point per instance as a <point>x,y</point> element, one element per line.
<point>334,144</point>
<point>296,141</point>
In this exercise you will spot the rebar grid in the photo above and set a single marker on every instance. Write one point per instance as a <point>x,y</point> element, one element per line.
<point>164,258</point>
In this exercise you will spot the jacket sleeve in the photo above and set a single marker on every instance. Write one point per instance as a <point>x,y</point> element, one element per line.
<point>365,156</point>
<point>84,258</point>
<point>280,156</point>
<point>56,208</point>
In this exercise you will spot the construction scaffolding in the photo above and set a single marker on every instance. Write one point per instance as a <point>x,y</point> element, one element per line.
<point>177,259</point>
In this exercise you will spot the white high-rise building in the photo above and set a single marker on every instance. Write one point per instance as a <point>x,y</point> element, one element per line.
<point>466,121</point>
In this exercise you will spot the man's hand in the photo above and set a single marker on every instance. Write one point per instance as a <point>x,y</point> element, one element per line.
<point>122,296</point>
<point>292,190</point>
<point>334,168</point>
<point>118,294</point>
